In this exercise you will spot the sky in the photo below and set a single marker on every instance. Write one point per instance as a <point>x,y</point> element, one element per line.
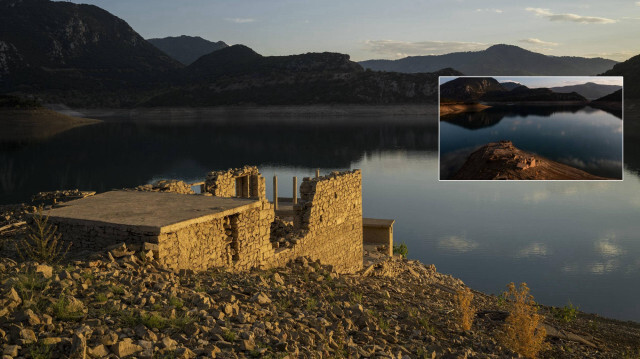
<point>551,81</point>
<point>383,29</point>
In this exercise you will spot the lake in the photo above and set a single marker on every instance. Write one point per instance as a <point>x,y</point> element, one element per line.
<point>579,136</point>
<point>570,241</point>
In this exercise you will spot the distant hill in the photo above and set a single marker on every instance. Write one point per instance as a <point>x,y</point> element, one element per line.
<point>612,97</point>
<point>524,94</point>
<point>494,61</point>
<point>186,49</point>
<point>630,69</point>
<point>468,89</point>
<point>611,103</point>
<point>510,85</point>
<point>239,75</point>
<point>589,90</point>
<point>473,89</point>
<point>65,46</point>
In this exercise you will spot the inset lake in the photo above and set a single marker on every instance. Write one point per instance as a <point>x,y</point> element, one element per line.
<point>580,136</point>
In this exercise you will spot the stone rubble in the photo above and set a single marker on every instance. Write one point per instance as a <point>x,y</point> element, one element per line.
<point>125,304</point>
<point>174,186</point>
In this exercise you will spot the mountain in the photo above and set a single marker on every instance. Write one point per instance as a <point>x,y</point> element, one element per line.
<point>525,94</point>
<point>186,49</point>
<point>69,47</point>
<point>589,90</point>
<point>612,97</point>
<point>496,60</point>
<point>611,103</point>
<point>469,89</point>
<point>510,85</point>
<point>473,89</point>
<point>630,69</point>
<point>238,75</point>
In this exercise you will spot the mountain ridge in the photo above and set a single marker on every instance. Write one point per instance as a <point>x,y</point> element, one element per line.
<point>496,60</point>
<point>186,49</point>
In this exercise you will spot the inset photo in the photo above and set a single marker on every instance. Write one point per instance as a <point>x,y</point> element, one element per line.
<point>531,128</point>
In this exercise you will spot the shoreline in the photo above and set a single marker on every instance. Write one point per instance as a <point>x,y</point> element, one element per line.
<point>36,124</point>
<point>304,299</point>
<point>297,110</point>
<point>503,161</point>
<point>456,108</point>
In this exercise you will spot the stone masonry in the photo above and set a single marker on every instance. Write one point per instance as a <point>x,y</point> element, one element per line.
<point>238,182</point>
<point>231,227</point>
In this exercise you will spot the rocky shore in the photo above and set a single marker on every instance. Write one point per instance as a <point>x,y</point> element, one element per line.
<point>503,161</point>
<point>122,303</point>
<point>454,108</point>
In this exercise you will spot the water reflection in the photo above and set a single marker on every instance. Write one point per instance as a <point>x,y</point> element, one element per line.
<point>579,136</point>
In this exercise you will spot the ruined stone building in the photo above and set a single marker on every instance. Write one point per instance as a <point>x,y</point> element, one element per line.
<point>231,224</point>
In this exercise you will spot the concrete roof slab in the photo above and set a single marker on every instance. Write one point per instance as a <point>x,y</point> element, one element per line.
<point>156,212</point>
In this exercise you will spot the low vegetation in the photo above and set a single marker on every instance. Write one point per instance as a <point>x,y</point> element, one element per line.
<point>42,244</point>
<point>466,311</point>
<point>522,332</point>
<point>401,250</point>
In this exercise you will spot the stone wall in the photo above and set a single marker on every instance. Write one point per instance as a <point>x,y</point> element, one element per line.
<point>239,241</point>
<point>237,182</point>
<point>95,237</point>
<point>328,220</point>
<point>327,226</point>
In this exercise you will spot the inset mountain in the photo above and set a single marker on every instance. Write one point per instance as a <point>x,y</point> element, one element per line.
<point>488,89</point>
<point>524,94</point>
<point>469,89</point>
<point>510,85</point>
<point>497,60</point>
<point>589,90</point>
<point>186,49</point>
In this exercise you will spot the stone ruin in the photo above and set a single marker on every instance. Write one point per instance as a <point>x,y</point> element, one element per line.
<point>231,224</point>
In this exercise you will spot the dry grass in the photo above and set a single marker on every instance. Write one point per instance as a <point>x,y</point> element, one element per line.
<point>466,312</point>
<point>521,332</point>
<point>42,244</point>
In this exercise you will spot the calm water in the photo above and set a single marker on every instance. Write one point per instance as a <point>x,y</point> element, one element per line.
<point>569,241</point>
<point>579,136</point>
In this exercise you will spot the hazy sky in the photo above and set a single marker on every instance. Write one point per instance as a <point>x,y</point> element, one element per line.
<point>368,29</point>
<point>551,81</point>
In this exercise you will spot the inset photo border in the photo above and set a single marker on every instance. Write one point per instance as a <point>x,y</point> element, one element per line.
<point>530,128</point>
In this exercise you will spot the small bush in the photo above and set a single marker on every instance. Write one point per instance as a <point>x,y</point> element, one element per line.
<point>40,351</point>
<point>117,290</point>
<point>356,297</point>
<point>520,332</point>
<point>402,250</point>
<point>466,312</point>
<point>312,303</point>
<point>566,314</point>
<point>425,323</point>
<point>176,302</point>
<point>229,335</point>
<point>42,243</point>
<point>101,297</point>
<point>383,324</point>
<point>67,310</point>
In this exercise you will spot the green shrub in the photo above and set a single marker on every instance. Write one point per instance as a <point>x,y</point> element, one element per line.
<point>176,302</point>
<point>66,310</point>
<point>566,314</point>
<point>229,335</point>
<point>42,244</point>
<point>402,250</point>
